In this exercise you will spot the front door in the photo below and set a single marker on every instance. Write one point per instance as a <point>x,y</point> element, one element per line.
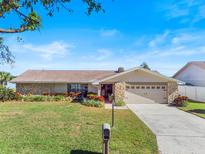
<point>106,90</point>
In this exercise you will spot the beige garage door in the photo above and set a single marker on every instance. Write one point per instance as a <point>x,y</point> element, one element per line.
<point>154,91</point>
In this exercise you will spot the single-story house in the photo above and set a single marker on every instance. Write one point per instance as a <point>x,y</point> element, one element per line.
<point>193,73</point>
<point>136,85</point>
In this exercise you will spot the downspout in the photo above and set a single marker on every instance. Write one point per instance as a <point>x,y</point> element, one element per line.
<point>168,92</point>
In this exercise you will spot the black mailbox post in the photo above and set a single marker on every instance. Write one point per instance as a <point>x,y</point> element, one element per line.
<point>113,113</point>
<point>105,137</point>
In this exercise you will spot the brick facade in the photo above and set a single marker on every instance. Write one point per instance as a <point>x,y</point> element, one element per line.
<point>35,89</point>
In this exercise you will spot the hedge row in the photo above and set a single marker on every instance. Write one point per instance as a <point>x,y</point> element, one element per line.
<point>7,94</point>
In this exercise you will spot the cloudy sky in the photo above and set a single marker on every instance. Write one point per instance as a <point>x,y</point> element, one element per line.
<point>166,35</point>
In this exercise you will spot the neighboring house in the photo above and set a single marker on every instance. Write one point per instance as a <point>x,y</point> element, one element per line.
<point>193,73</point>
<point>136,85</point>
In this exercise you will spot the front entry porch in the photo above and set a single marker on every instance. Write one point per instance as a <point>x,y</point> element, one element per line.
<point>106,91</point>
<point>116,89</point>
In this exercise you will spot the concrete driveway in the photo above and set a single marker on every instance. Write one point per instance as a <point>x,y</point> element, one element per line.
<point>177,132</point>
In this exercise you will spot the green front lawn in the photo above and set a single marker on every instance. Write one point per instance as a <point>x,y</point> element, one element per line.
<point>58,128</point>
<point>195,108</point>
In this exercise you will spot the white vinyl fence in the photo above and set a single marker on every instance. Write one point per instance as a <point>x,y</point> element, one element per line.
<point>193,92</point>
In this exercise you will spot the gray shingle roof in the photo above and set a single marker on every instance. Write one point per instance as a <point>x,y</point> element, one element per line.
<point>62,76</point>
<point>200,64</point>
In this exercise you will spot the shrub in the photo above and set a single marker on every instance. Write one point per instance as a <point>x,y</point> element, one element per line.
<point>68,99</point>
<point>7,94</point>
<point>180,101</point>
<point>39,98</point>
<point>42,98</point>
<point>97,98</point>
<point>18,96</point>
<point>57,94</point>
<point>34,98</point>
<point>101,98</point>
<point>45,93</point>
<point>91,94</point>
<point>73,94</point>
<point>58,98</point>
<point>93,103</point>
<point>120,103</point>
<point>26,98</point>
<point>49,98</point>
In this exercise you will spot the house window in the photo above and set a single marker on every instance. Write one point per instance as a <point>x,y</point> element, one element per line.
<point>76,87</point>
<point>148,87</point>
<point>153,87</point>
<point>137,87</point>
<point>133,87</point>
<point>158,87</point>
<point>142,87</point>
<point>163,87</point>
<point>127,87</point>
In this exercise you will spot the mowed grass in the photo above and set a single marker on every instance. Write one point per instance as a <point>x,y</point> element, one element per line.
<point>63,128</point>
<point>195,108</point>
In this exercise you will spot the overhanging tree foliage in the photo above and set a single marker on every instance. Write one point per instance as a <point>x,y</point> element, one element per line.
<point>30,20</point>
<point>5,53</point>
<point>145,66</point>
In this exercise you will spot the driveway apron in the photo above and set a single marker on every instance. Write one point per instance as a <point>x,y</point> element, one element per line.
<point>177,132</point>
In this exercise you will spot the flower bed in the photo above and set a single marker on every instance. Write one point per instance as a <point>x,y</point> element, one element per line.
<point>97,98</point>
<point>93,100</point>
<point>180,101</point>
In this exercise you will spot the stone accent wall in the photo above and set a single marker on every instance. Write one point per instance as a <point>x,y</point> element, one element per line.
<point>119,91</point>
<point>172,91</point>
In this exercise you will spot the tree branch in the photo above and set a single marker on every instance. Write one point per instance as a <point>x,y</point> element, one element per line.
<point>19,30</point>
<point>26,17</point>
<point>20,13</point>
<point>23,27</point>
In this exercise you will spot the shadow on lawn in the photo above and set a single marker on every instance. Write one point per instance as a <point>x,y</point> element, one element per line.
<point>83,152</point>
<point>201,111</point>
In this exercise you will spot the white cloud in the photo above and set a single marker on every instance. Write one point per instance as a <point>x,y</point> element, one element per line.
<point>186,10</point>
<point>165,52</point>
<point>100,55</point>
<point>185,38</point>
<point>159,39</point>
<point>47,51</point>
<point>177,10</point>
<point>177,51</point>
<point>109,32</point>
<point>178,47</point>
<point>183,43</point>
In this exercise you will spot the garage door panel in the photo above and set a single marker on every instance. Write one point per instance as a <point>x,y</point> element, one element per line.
<point>158,93</point>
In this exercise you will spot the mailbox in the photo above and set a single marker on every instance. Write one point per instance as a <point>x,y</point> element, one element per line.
<point>106,131</point>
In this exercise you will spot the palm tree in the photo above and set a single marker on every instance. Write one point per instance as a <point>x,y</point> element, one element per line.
<point>5,77</point>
